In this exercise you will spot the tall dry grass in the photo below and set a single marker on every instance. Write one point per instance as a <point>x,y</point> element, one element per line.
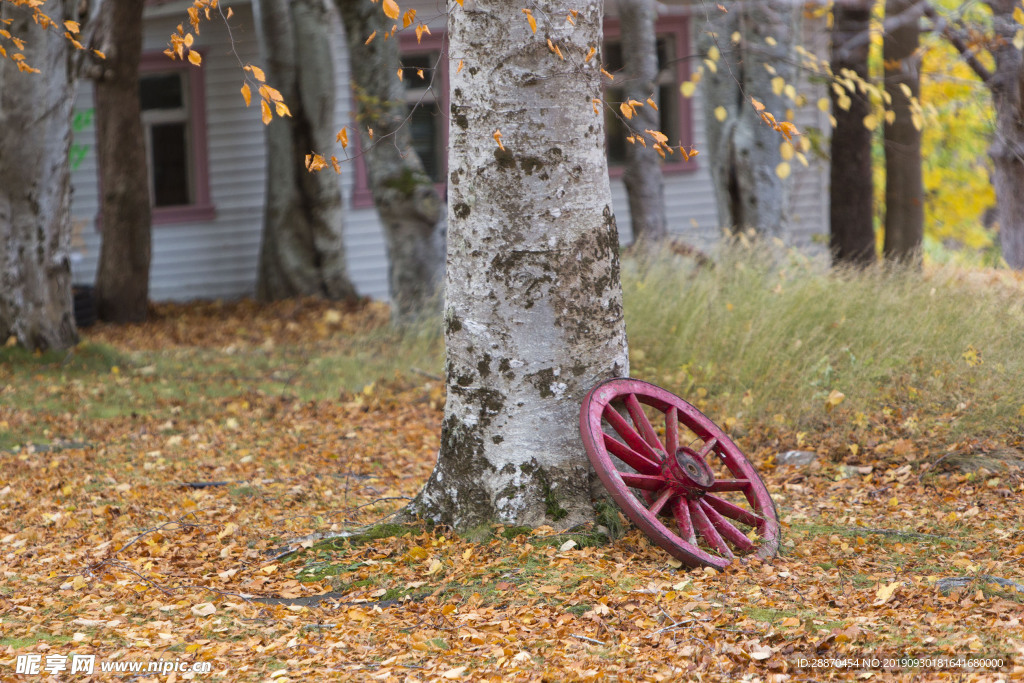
<point>767,335</point>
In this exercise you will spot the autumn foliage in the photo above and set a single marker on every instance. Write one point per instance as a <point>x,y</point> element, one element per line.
<point>157,482</point>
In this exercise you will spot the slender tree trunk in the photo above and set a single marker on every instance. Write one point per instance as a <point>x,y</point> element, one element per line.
<point>745,154</point>
<point>122,280</point>
<point>35,189</point>
<point>852,194</point>
<point>904,184</point>
<point>1007,148</point>
<point>406,199</point>
<point>533,313</point>
<point>303,251</point>
<point>645,186</point>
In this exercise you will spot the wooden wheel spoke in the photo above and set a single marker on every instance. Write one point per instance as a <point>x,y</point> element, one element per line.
<point>732,511</point>
<point>658,504</point>
<point>643,425</point>
<point>638,462</point>
<point>643,481</point>
<point>727,530</point>
<point>708,447</point>
<point>672,431</point>
<point>706,529</point>
<point>681,511</point>
<point>630,435</point>
<point>730,485</point>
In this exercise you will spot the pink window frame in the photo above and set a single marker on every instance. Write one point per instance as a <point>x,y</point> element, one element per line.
<point>677,26</point>
<point>362,196</point>
<point>202,208</point>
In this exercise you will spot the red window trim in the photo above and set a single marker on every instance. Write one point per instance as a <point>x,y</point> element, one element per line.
<point>202,209</point>
<point>678,26</point>
<point>362,196</point>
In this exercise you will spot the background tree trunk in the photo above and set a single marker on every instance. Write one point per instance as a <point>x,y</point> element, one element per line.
<point>533,313</point>
<point>303,251</point>
<point>35,189</point>
<point>744,153</point>
<point>852,238</point>
<point>406,199</point>
<point>645,186</point>
<point>122,278</point>
<point>904,184</point>
<point>1007,148</point>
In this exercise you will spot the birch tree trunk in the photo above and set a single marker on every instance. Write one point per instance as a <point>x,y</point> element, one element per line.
<point>904,183</point>
<point>744,153</point>
<point>407,201</point>
<point>35,189</point>
<point>852,229</point>
<point>645,186</point>
<point>303,251</point>
<point>122,279</point>
<point>533,313</point>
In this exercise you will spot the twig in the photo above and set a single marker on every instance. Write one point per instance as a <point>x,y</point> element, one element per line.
<point>589,640</point>
<point>672,626</point>
<point>428,375</point>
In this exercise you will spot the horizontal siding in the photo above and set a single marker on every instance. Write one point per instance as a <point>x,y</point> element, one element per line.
<point>218,258</point>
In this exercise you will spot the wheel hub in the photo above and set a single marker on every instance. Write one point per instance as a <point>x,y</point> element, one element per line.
<point>689,471</point>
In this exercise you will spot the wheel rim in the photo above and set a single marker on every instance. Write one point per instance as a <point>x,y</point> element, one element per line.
<point>690,489</point>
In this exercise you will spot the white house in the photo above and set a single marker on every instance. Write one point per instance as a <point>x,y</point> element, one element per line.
<point>207,155</point>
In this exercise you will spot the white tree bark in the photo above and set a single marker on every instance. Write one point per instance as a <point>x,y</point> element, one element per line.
<point>303,251</point>
<point>35,188</point>
<point>744,152</point>
<point>533,315</point>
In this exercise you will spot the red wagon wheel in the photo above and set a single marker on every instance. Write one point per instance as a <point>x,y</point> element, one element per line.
<point>677,475</point>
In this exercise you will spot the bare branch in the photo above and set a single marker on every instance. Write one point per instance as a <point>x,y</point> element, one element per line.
<point>955,39</point>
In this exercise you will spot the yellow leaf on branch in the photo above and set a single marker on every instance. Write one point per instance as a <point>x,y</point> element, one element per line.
<point>246,94</point>
<point>391,9</point>
<point>195,57</point>
<point>257,72</point>
<point>268,115</point>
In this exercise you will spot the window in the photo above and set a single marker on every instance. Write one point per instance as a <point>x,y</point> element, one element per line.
<point>425,75</point>
<point>673,108</point>
<point>426,125</point>
<point>173,121</point>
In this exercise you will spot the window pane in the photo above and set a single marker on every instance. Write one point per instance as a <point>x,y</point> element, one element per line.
<point>412,64</point>
<point>171,183</point>
<point>161,91</point>
<point>614,128</point>
<point>612,54</point>
<point>424,125</point>
<point>668,100</point>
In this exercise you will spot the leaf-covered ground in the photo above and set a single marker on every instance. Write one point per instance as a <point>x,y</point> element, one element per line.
<point>152,481</point>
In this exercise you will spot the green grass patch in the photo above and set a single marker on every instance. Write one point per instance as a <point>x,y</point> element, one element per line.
<point>18,643</point>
